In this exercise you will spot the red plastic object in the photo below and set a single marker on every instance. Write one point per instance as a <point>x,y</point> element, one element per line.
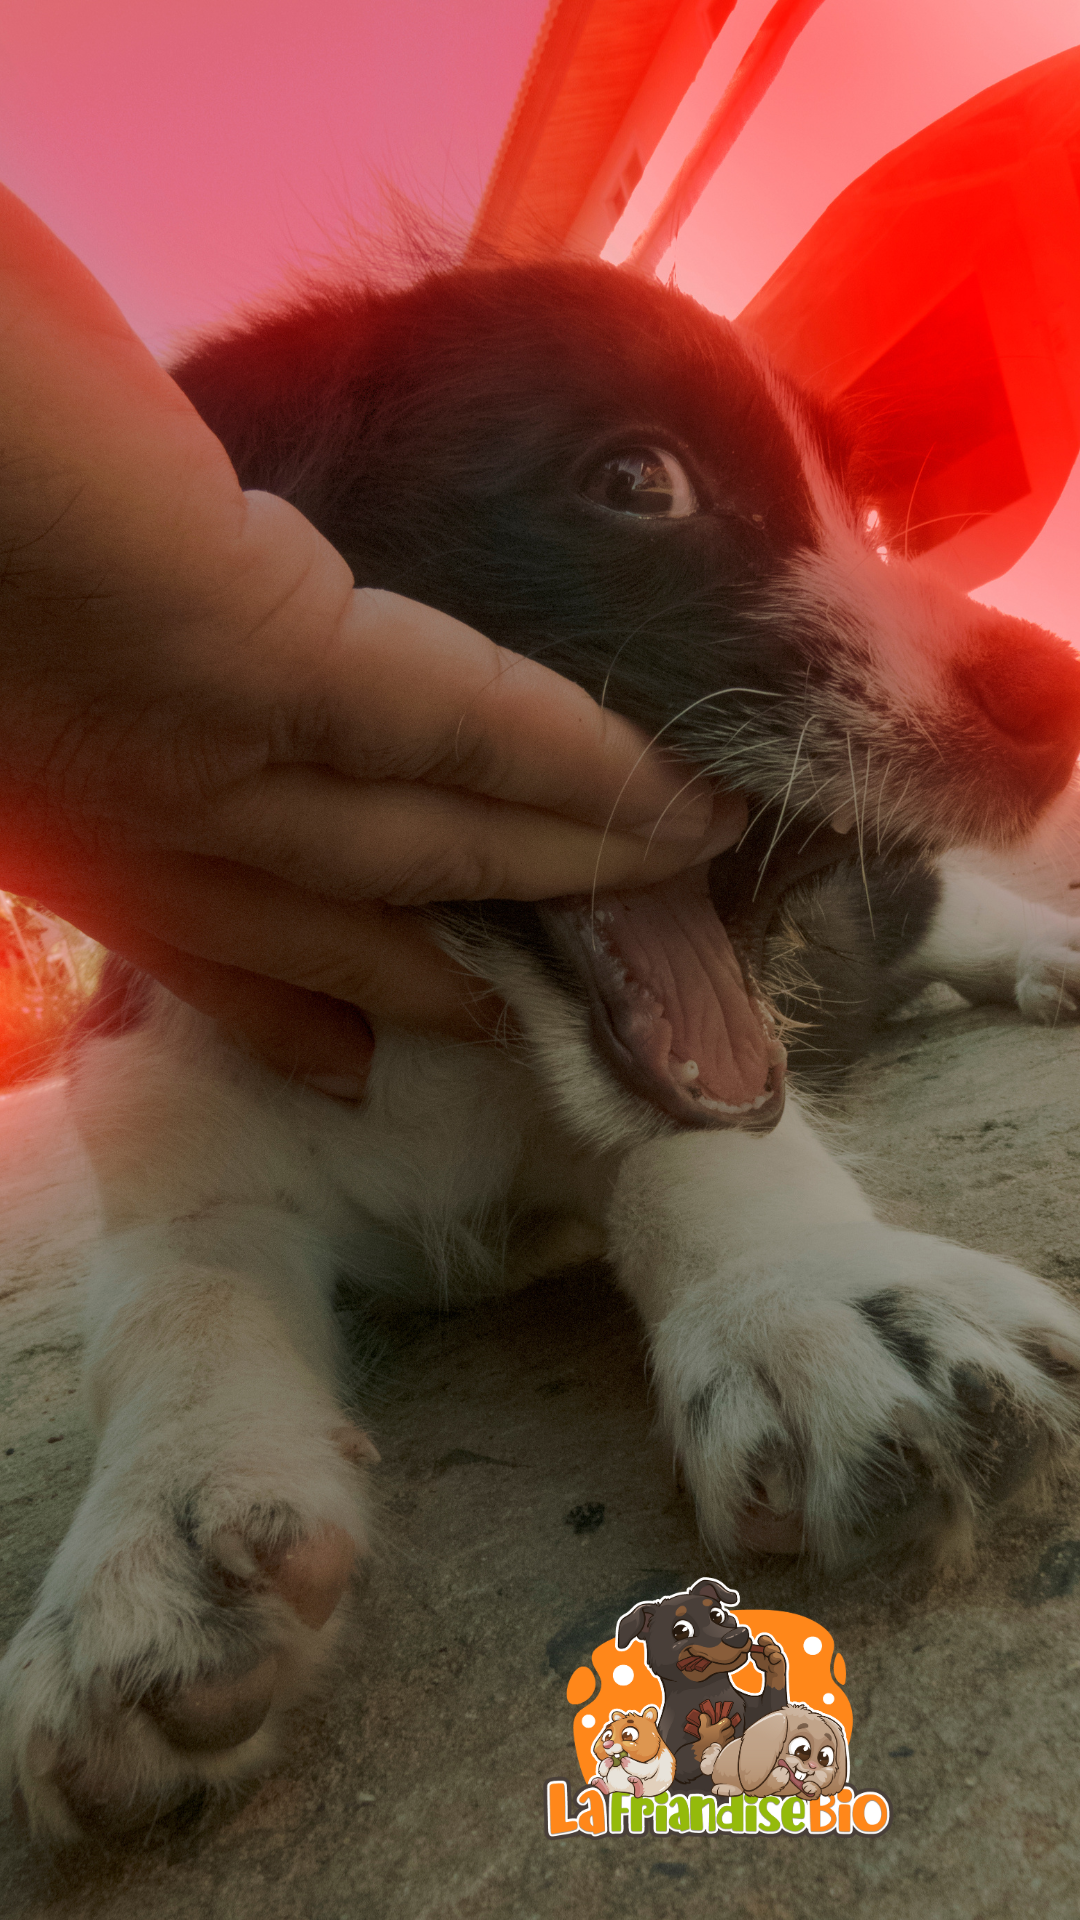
<point>940,294</point>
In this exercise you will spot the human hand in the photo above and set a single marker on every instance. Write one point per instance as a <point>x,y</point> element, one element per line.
<point>226,763</point>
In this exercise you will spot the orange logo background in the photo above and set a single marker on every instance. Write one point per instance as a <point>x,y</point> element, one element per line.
<point>816,1675</point>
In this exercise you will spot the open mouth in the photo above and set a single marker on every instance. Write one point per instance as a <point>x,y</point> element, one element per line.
<point>671,972</point>
<point>690,1662</point>
<point>727,1656</point>
<point>796,1777</point>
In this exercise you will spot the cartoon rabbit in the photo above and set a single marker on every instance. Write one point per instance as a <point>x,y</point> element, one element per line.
<point>792,1752</point>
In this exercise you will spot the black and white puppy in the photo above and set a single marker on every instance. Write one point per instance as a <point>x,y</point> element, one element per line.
<point>593,470</point>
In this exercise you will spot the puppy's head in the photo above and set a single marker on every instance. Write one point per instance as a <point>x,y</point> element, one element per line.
<point>596,472</point>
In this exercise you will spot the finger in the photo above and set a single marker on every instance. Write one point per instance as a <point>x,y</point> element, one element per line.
<point>109,476</point>
<point>378,958</point>
<point>412,844</point>
<point>477,715</point>
<point>304,1036</point>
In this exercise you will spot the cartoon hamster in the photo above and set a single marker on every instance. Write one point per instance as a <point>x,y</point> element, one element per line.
<point>632,1757</point>
<point>792,1752</point>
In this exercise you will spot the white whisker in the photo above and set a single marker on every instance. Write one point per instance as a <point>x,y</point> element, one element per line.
<point>778,829</point>
<point>859,834</point>
<point>719,693</point>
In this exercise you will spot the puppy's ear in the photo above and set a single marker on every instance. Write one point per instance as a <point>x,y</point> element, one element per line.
<point>716,1593</point>
<point>635,1624</point>
<point>760,1749</point>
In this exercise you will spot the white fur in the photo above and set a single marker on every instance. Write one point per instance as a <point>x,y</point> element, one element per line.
<point>232,1199</point>
<point>991,945</point>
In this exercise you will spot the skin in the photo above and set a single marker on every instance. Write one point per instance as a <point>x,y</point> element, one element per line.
<point>224,761</point>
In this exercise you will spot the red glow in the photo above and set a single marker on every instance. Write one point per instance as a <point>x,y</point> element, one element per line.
<point>860,81</point>
<point>940,294</point>
<point>190,155</point>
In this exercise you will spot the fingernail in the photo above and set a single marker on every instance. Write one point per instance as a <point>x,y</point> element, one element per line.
<point>710,823</point>
<point>339,1086</point>
<point>729,822</point>
<point>685,821</point>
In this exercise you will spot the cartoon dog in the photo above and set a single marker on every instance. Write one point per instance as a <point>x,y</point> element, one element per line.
<point>691,1641</point>
<point>631,1755</point>
<point>794,1752</point>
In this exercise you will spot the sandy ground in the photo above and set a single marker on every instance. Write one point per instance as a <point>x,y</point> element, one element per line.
<point>417,1788</point>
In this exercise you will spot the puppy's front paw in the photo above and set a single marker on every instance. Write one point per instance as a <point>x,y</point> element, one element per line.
<point>1048,974</point>
<point>863,1388</point>
<point>180,1621</point>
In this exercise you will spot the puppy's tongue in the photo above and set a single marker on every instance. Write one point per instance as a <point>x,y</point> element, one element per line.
<point>670,1006</point>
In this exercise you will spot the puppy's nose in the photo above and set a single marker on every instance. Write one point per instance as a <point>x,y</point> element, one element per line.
<point>1026,683</point>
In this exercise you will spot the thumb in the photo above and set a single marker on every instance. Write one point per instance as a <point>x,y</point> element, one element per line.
<point>306,1036</point>
<point>314,1037</point>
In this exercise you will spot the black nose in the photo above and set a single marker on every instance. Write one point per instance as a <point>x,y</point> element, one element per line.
<point>1026,683</point>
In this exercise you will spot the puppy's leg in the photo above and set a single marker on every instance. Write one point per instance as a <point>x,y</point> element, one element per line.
<point>991,945</point>
<point>831,1382</point>
<point>199,1588</point>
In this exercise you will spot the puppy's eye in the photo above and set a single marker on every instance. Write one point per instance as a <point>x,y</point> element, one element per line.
<point>682,1630</point>
<point>799,1748</point>
<point>642,481</point>
<point>826,1756</point>
<point>717,1616</point>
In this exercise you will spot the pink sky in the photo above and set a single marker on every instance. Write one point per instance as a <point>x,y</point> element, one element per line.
<point>191,155</point>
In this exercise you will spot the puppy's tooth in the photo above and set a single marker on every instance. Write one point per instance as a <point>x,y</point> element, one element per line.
<point>685,1071</point>
<point>843,819</point>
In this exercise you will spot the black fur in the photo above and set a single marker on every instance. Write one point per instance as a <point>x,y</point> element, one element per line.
<point>440,437</point>
<point>830,951</point>
<point>443,438</point>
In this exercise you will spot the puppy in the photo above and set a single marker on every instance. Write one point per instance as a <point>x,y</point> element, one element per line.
<point>594,471</point>
<point>631,1756</point>
<point>794,1753</point>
